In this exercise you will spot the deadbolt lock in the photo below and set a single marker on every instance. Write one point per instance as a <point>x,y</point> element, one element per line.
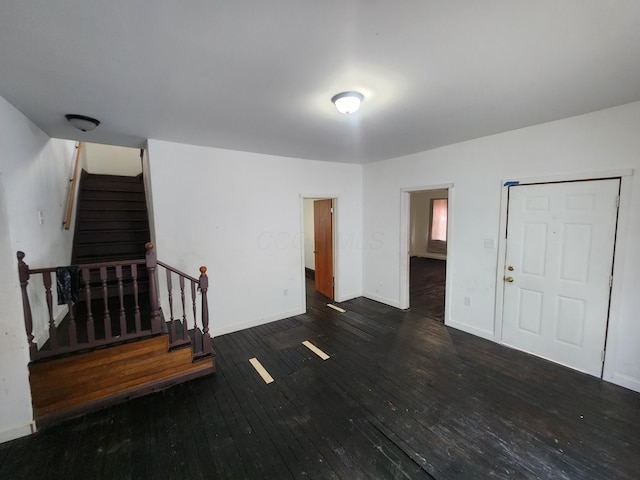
<point>508,279</point>
<point>510,268</point>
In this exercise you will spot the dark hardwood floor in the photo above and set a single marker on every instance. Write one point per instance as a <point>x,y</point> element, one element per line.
<point>427,287</point>
<point>402,396</point>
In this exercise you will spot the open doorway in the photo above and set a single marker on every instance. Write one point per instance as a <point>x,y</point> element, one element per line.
<point>427,239</point>
<point>318,247</point>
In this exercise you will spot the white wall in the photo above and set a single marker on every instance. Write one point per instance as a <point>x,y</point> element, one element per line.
<point>34,173</point>
<point>241,215</point>
<point>419,217</point>
<point>601,141</point>
<point>113,160</point>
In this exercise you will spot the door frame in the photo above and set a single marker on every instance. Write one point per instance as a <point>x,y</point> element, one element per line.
<point>336,254</point>
<point>618,265</point>
<point>405,227</point>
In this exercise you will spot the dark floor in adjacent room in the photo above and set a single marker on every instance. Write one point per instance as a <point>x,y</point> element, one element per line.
<point>401,396</point>
<point>427,287</point>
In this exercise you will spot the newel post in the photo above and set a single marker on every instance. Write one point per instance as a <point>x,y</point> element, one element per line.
<point>152,263</point>
<point>23,273</point>
<point>203,282</point>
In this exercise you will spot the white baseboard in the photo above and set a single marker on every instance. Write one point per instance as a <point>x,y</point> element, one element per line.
<point>17,432</point>
<point>471,329</point>
<point>377,298</point>
<point>625,381</point>
<point>224,329</point>
<point>349,296</point>
<point>43,335</point>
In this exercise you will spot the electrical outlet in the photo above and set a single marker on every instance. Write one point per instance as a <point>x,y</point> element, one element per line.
<point>467,301</point>
<point>40,217</point>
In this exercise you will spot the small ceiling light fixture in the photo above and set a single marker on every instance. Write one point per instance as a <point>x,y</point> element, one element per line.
<point>81,122</point>
<point>347,102</point>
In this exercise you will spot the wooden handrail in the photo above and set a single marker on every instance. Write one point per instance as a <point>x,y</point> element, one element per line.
<point>72,189</point>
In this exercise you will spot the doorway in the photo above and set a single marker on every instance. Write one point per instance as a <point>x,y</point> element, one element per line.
<point>319,245</point>
<point>558,270</point>
<point>425,214</point>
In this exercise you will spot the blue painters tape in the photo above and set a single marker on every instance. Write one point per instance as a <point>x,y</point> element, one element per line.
<point>508,184</point>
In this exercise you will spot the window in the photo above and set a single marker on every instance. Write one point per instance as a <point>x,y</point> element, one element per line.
<point>438,226</point>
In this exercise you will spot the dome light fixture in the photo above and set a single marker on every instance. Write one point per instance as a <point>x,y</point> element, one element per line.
<point>82,122</point>
<point>347,102</point>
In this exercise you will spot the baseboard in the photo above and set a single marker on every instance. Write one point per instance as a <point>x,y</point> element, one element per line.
<point>378,298</point>
<point>488,335</point>
<point>625,381</point>
<point>309,273</point>
<point>347,297</point>
<point>42,336</point>
<point>254,323</point>
<point>17,432</point>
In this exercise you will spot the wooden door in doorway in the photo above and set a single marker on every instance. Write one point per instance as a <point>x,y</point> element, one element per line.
<point>323,252</point>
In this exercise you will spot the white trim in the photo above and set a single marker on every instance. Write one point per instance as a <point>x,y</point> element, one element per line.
<point>625,381</point>
<point>377,298</point>
<point>336,253</point>
<point>17,432</point>
<point>224,329</point>
<point>618,290</point>
<point>572,177</point>
<point>487,334</point>
<point>405,225</point>
<point>42,336</point>
<point>617,293</point>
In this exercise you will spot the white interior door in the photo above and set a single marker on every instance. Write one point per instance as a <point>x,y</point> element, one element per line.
<point>560,243</point>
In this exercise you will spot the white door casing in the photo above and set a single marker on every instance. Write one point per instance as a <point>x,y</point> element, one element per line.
<point>560,244</point>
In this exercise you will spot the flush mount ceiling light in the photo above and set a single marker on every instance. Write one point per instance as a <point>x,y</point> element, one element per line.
<point>347,102</point>
<point>81,122</point>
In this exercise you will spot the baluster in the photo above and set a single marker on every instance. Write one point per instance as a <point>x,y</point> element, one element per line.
<point>184,310</point>
<point>151,263</point>
<point>204,286</point>
<point>193,304</point>
<point>123,316</point>
<point>136,312</point>
<point>172,325</point>
<point>53,334</point>
<point>23,273</point>
<point>105,299</point>
<point>86,279</point>
<point>73,329</point>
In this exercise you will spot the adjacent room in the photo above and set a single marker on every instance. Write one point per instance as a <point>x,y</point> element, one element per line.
<point>299,239</point>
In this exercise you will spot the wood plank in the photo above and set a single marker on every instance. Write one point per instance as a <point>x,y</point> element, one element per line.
<point>62,384</point>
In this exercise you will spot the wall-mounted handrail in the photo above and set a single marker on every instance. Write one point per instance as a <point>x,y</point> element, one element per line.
<point>72,188</point>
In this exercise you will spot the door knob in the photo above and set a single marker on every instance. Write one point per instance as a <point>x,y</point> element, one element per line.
<point>508,279</point>
<point>510,268</point>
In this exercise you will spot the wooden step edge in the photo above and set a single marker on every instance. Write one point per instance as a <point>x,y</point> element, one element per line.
<point>102,177</point>
<point>154,341</point>
<point>47,420</point>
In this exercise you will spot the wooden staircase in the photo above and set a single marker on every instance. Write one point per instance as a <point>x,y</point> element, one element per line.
<point>136,354</point>
<point>112,222</point>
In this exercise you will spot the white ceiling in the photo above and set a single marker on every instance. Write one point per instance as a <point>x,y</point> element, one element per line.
<point>259,75</point>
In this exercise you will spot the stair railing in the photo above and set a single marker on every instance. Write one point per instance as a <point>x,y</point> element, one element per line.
<point>183,316</point>
<point>111,307</point>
